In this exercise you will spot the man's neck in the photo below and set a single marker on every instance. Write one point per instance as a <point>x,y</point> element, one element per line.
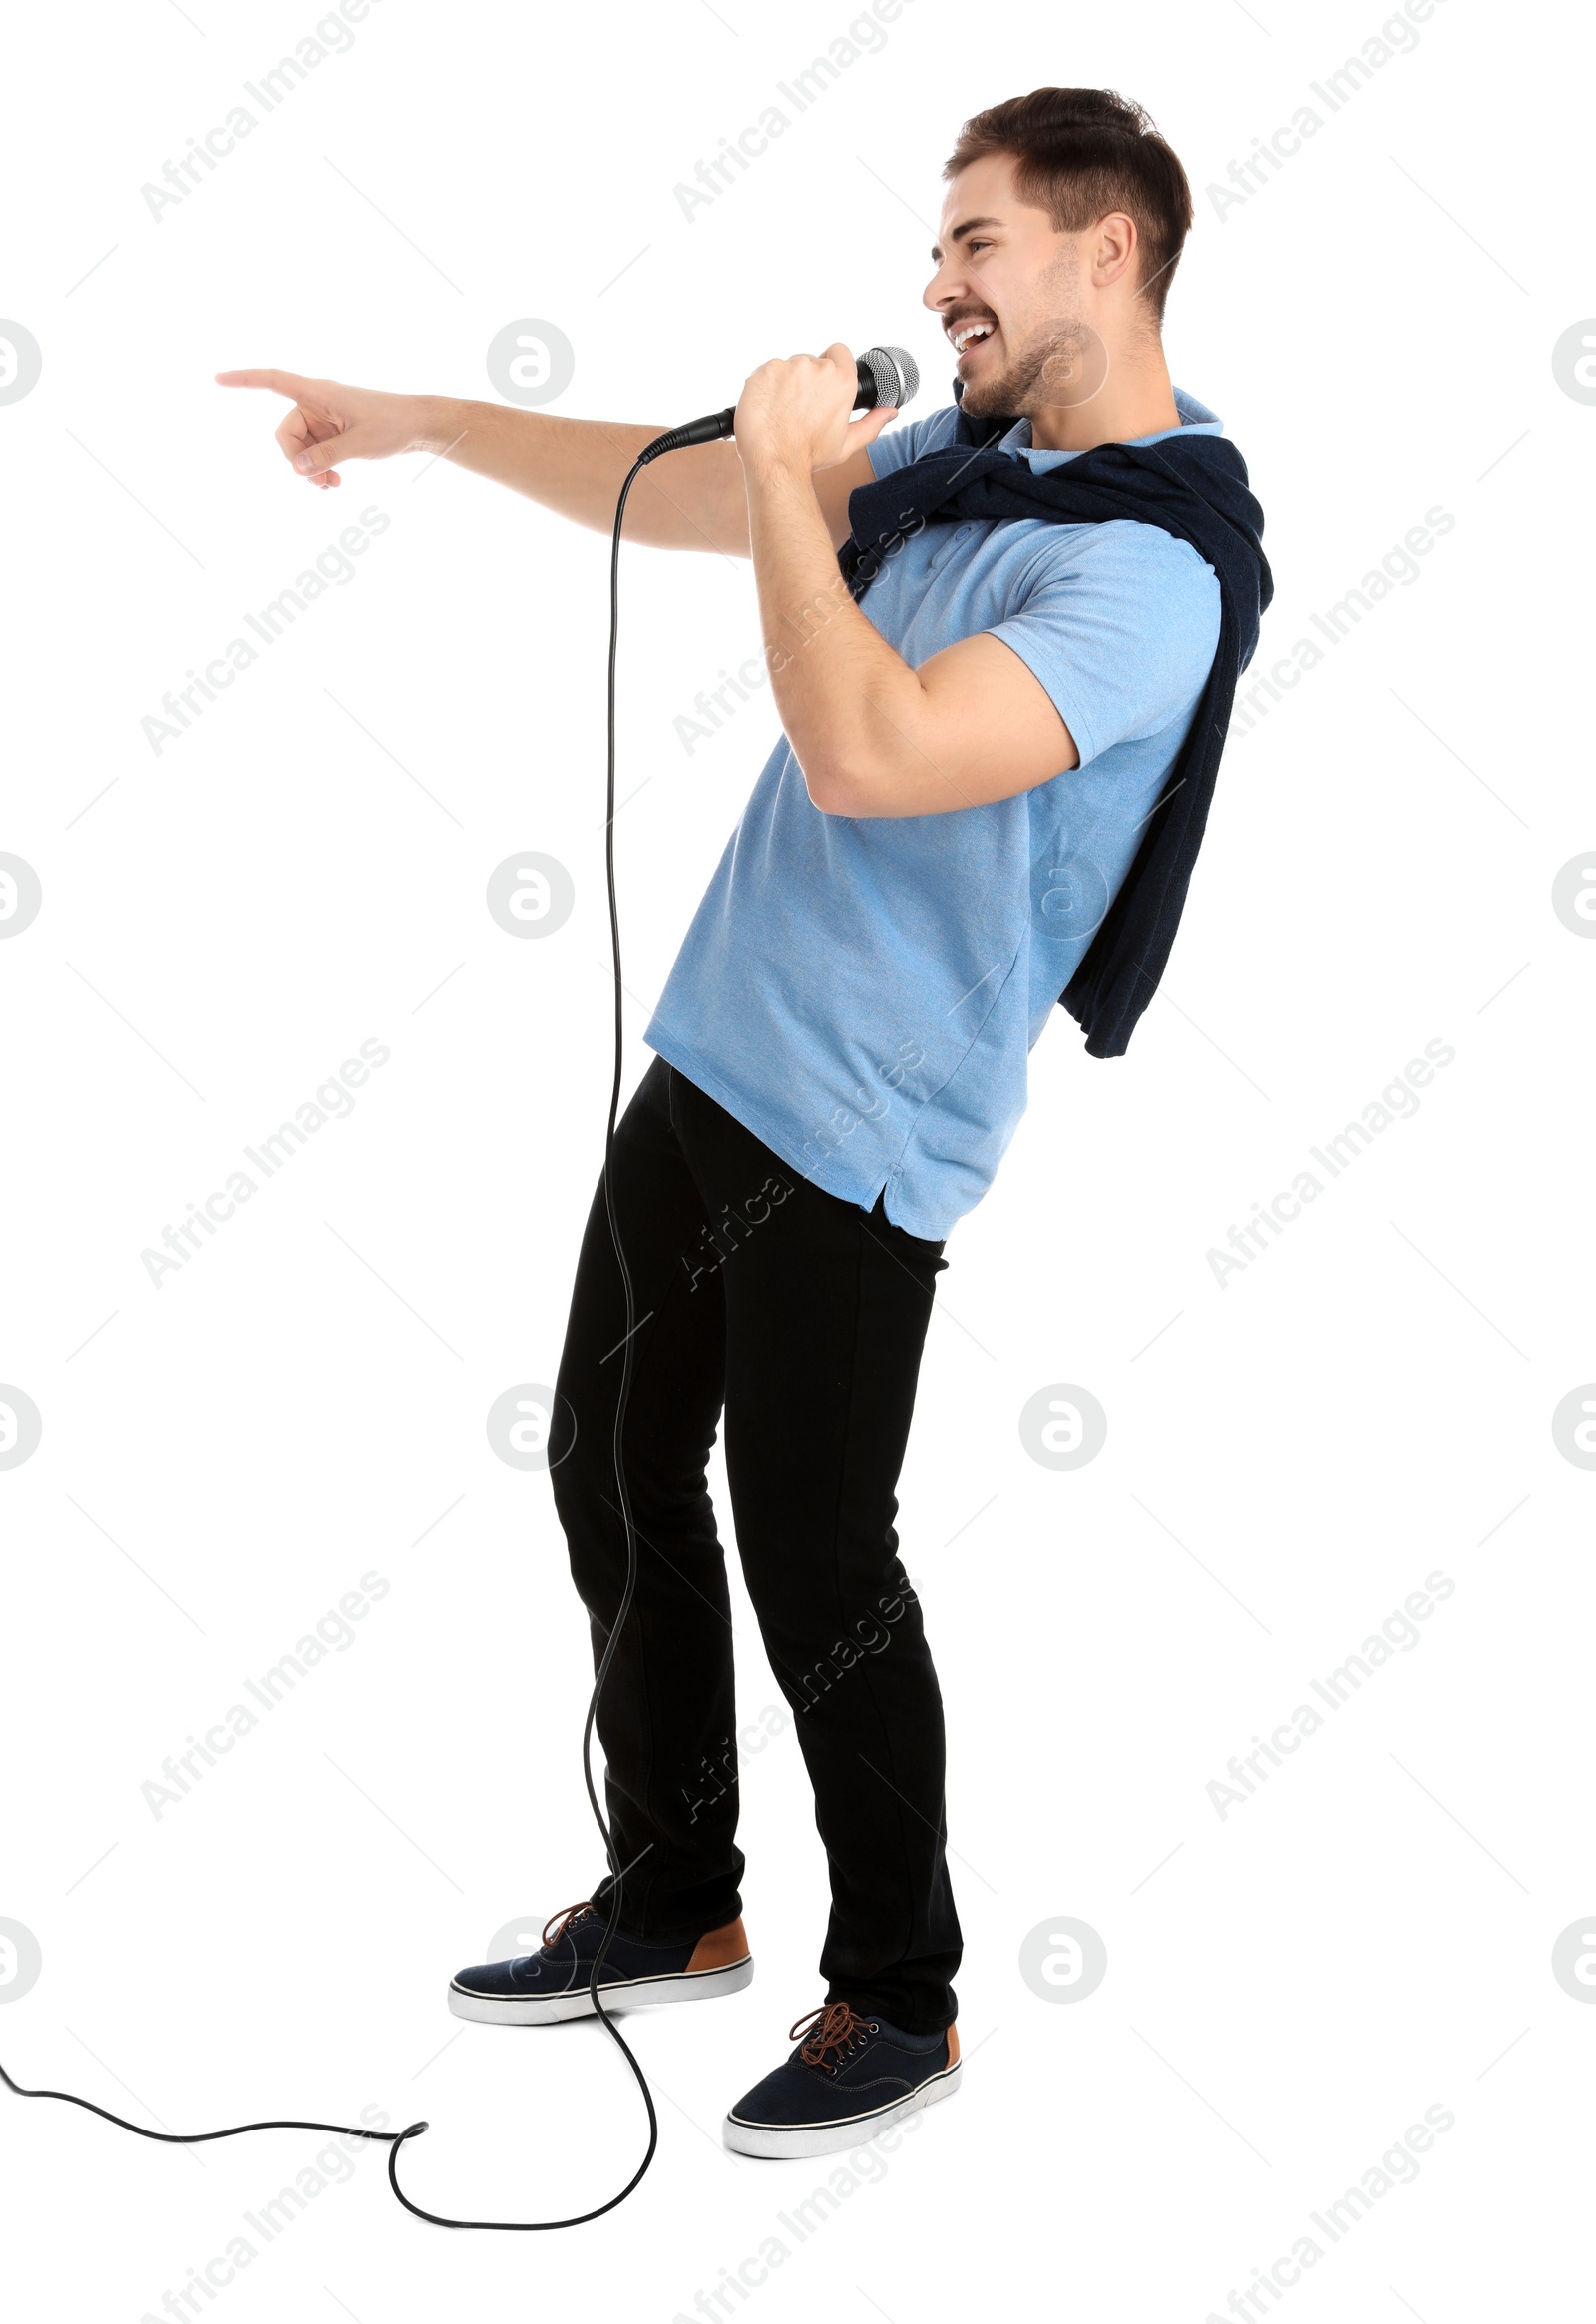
<point>1136,399</point>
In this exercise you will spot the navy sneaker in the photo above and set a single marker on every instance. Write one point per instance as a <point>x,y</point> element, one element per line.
<point>541,1988</point>
<point>848,2079</point>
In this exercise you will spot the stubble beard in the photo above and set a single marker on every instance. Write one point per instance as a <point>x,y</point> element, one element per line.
<point>1062,364</point>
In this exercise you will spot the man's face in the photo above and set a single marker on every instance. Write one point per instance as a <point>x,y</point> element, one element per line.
<point>1010,290</point>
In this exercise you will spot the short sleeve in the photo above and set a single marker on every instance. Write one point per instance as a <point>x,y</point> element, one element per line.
<point>1119,623</point>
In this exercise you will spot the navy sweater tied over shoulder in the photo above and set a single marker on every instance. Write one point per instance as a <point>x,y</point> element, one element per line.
<point>1193,487</point>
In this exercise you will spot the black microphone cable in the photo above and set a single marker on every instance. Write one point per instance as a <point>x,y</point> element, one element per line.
<point>395,2140</point>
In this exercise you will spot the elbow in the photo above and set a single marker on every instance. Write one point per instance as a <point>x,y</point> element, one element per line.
<point>826,798</point>
<point>833,788</point>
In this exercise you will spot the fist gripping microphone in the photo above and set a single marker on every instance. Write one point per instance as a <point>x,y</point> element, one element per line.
<point>887,375</point>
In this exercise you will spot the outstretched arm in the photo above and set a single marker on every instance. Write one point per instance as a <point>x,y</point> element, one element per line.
<point>684,500</point>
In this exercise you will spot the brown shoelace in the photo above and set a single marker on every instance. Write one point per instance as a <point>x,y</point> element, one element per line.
<point>830,2027</point>
<point>554,1927</point>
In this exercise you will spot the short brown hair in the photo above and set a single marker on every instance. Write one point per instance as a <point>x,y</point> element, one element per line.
<point>1082,153</point>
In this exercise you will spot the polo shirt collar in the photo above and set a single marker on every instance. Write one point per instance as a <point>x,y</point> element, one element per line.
<point>1193,415</point>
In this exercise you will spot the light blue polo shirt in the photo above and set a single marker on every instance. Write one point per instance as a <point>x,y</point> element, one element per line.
<point>863,993</point>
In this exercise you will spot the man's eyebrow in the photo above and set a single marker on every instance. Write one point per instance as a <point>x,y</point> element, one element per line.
<point>966,226</point>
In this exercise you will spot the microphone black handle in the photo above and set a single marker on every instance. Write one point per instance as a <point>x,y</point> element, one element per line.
<point>709,430</point>
<point>716,425</point>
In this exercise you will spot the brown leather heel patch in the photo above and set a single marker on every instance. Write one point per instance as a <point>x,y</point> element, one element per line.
<point>720,1948</point>
<point>953,2044</point>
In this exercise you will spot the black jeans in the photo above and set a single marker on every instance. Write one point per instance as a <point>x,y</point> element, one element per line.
<point>804,1317</point>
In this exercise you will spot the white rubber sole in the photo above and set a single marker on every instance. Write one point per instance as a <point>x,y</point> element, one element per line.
<point>832,2138</point>
<point>485,2009</point>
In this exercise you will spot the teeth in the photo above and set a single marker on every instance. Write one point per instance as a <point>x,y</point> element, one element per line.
<point>968,331</point>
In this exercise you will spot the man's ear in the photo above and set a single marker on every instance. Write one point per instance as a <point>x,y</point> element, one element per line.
<point>1113,249</point>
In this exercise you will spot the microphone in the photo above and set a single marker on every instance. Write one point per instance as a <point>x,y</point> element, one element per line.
<point>887,375</point>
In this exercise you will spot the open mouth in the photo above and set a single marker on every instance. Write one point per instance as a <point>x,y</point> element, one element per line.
<point>966,337</point>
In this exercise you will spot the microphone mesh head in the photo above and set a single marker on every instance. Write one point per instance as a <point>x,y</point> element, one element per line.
<point>894,372</point>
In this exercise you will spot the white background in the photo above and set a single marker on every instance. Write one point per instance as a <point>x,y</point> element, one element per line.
<point>1289,1456</point>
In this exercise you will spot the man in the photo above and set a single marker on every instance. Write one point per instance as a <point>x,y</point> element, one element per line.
<point>970,752</point>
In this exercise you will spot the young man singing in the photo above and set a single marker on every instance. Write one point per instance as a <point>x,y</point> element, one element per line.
<point>1001,721</point>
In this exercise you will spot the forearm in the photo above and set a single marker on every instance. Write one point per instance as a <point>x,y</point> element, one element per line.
<point>853,710</point>
<point>683,500</point>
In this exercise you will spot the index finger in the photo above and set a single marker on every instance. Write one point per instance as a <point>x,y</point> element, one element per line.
<point>280,382</point>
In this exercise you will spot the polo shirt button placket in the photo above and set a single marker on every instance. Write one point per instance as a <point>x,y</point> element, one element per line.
<point>960,533</point>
